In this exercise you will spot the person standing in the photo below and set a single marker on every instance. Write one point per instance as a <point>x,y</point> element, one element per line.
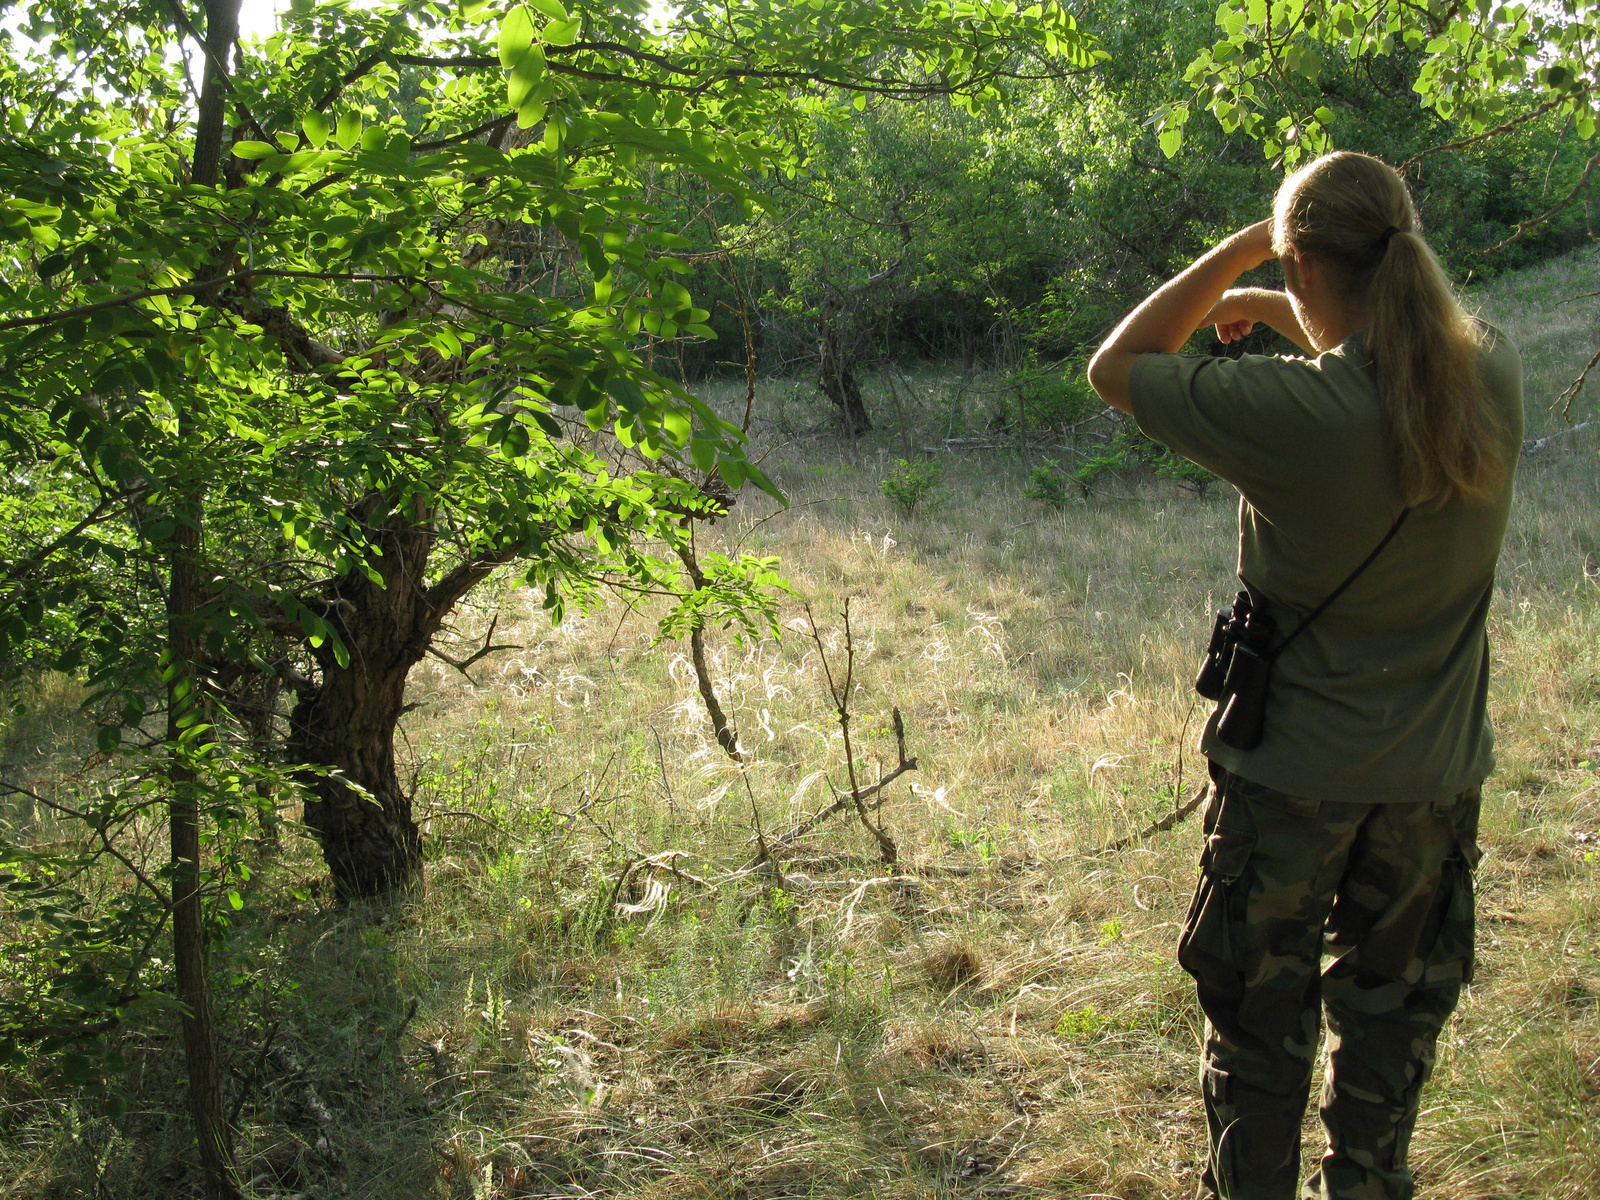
<point>1375,481</point>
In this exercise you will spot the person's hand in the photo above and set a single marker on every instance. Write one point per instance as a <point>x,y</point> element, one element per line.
<point>1255,242</point>
<point>1234,331</point>
<point>1234,315</point>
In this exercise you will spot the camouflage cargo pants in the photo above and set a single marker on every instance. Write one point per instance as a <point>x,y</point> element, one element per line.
<point>1385,892</point>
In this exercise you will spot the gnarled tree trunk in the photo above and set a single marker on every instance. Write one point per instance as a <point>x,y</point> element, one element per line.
<point>834,376</point>
<point>347,721</point>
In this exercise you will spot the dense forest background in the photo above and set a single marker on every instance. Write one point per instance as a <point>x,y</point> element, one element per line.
<point>570,625</point>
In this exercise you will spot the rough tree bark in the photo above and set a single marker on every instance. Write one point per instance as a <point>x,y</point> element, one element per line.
<point>347,721</point>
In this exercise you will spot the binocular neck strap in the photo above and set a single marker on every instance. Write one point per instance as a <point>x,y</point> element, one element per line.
<point>1340,590</point>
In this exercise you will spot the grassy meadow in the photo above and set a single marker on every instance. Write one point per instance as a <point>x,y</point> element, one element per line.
<point>601,995</point>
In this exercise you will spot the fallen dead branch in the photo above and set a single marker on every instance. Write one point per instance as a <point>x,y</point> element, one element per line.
<point>1167,822</point>
<point>1541,443</point>
<point>657,893</point>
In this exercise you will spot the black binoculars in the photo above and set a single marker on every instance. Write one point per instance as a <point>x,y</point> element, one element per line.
<point>1237,671</point>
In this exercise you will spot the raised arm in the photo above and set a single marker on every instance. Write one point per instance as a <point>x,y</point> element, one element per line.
<point>1241,309</point>
<point>1163,323</point>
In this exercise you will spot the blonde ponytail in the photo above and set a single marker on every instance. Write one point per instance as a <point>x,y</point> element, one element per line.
<point>1354,213</point>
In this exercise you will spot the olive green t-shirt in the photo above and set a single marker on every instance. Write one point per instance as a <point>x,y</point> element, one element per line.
<point>1383,698</point>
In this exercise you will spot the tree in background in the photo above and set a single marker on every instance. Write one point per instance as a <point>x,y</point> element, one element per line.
<point>1018,234</point>
<point>1515,85</point>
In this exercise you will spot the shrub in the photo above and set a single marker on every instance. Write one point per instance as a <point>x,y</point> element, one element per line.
<point>1080,1024</point>
<point>1174,466</point>
<point>1114,459</point>
<point>913,485</point>
<point>1050,484</point>
<point>1130,448</point>
<point>1052,399</point>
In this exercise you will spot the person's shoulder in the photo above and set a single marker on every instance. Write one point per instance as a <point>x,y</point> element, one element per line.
<point>1341,370</point>
<point>1495,345</point>
<point>1499,360</point>
<point>1249,379</point>
<point>1243,366</point>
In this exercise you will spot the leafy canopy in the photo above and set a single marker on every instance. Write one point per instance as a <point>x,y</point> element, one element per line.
<point>1481,64</point>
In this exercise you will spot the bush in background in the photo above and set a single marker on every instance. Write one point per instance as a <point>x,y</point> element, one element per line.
<point>913,485</point>
<point>1052,398</point>
<point>1049,483</point>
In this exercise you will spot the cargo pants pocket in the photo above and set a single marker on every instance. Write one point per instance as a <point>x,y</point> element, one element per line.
<point>1212,935</point>
<point>1458,929</point>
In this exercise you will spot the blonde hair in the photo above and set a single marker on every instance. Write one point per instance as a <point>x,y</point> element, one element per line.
<point>1354,213</point>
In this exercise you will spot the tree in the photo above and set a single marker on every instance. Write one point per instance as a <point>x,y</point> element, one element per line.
<point>340,305</point>
<point>267,312</point>
<point>1025,231</point>
<point>1495,72</point>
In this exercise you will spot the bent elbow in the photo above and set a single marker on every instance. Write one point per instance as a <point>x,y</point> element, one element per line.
<point>1108,375</point>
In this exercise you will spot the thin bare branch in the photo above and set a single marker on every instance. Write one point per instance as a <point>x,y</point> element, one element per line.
<point>1165,823</point>
<point>1575,387</point>
<point>1515,123</point>
<point>487,649</point>
<point>1533,223</point>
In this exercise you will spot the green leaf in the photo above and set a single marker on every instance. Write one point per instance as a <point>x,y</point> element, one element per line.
<point>516,35</point>
<point>236,901</point>
<point>759,478</point>
<point>315,126</point>
<point>704,451</point>
<point>562,33</point>
<point>253,149</point>
<point>349,131</point>
<point>675,424</point>
<point>531,113</point>
<point>593,256</point>
<point>515,443</point>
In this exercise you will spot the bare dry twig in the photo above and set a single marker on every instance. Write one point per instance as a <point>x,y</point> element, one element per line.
<point>488,648</point>
<point>1576,386</point>
<point>1165,823</point>
<point>841,701</point>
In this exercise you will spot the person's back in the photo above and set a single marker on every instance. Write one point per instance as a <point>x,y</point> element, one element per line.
<point>1376,483</point>
<point>1382,697</point>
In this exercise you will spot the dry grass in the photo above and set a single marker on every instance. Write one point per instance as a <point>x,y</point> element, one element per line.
<point>999,1015</point>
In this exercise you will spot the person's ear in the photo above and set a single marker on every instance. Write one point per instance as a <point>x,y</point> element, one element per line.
<point>1291,260</point>
<point>1309,270</point>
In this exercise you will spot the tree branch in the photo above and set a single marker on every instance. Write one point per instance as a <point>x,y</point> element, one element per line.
<point>894,89</point>
<point>1487,134</point>
<point>1533,223</point>
<point>488,648</point>
<point>199,288</point>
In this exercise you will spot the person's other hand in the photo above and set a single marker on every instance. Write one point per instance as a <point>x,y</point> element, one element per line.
<point>1233,315</point>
